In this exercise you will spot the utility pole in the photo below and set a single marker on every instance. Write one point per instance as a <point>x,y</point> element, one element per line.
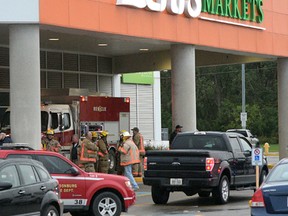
<point>243,115</point>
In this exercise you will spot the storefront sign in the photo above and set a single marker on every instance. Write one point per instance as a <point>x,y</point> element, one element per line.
<point>248,10</point>
<point>138,78</point>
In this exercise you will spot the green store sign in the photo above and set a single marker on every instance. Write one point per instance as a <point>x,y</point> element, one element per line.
<point>138,78</point>
<point>247,10</point>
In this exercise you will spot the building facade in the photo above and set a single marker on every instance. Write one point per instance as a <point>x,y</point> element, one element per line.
<point>137,36</point>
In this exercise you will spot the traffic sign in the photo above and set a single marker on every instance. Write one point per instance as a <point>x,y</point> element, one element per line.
<point>257,157</point>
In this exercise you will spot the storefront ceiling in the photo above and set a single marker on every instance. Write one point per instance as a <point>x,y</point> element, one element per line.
<point>72,40</point>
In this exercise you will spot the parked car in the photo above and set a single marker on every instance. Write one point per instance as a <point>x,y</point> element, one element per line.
<point>272,196</point>
<point>26,188</point>
<point>247,133</point>
<point>83,193</point>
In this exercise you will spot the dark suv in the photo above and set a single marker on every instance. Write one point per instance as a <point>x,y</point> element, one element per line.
<point>26,188</point>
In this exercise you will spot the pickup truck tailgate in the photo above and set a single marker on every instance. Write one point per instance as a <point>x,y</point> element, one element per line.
<point>177,163</point>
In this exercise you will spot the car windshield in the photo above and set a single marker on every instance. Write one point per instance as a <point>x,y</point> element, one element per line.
<point>188,141</point>
<point>278,173</point>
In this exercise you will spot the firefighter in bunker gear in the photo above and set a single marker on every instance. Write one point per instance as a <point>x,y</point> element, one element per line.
<point>120,169</point>
<point>88,154</point>
<point>137,169</point>
<point>103,154</point>
<point>95,138</point>
<point>129,156</point>
<point>49,143</point>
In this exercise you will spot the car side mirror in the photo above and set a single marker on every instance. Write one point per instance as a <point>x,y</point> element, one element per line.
<point>5,186</point>
<point>74,171</point>
<point>247,153</point>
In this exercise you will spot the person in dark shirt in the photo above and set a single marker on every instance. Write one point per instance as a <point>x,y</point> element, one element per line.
<point>74,149</point>
<point>178,129</point>
<point>4,139</point>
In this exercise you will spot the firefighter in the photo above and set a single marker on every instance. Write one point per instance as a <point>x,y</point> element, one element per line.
<point>120,169</point>
<point>95,138</point>
<point>88,154</point>
<point>49,143</point>
<point>139,142</point>
<point>103,165</point>
<point>129,156</point>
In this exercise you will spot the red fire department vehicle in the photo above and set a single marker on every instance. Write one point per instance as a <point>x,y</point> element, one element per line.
<point>69,111</point>
<point>83,193</point>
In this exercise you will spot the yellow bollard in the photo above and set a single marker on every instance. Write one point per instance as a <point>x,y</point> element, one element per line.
<point>266,148</point>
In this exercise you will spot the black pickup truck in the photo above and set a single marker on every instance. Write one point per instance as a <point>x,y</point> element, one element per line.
<point>203,163</point>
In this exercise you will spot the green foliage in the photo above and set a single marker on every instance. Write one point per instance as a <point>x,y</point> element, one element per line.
<point>219,99</point>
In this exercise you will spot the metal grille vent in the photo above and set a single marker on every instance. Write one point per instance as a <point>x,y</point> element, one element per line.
<point>4,56</point>
<point>88,63</point>
<point>54,60</point>
<point>105,85</point>
<point>43,64</point>
<point>88,82</point>
<point>70,62</point>
<point>54,80</point>
<point>70,80</point>
<point>4,78</point>
<point>105,65</point>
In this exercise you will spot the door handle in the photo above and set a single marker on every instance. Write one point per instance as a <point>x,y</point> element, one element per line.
<point>21,192</point>
<point>42,188</point>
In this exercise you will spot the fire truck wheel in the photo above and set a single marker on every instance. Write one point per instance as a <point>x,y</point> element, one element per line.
<point>106,203</point>
<point>112,163</point>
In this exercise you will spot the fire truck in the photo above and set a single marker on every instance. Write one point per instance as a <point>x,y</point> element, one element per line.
<point>70,111</point>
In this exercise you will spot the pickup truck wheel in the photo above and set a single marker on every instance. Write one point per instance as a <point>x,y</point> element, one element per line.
<point>106,203</point>
<point>204,193</point>
<point>222,192</point>
<point>159,195</point>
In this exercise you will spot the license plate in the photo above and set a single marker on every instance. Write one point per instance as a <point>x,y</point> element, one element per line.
<point>175,181</point>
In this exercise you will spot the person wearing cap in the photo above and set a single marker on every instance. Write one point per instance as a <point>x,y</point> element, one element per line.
<point>103,164</point>
<point>120,169</point>
<point>129,156</point>
<point>177,130</point>
<point>139,142</point>
<point>49,143</point>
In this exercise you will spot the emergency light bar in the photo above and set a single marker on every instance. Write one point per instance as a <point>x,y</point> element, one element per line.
<point>16,146</point>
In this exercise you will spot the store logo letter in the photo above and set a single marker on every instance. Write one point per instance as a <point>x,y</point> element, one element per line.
<point>191,8</point>
<point>132,3</point>
<point>176,6</point>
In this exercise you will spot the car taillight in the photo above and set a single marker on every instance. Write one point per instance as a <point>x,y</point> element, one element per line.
<point>209,164</point>
<point>257,199</point>
<point>145,163</point>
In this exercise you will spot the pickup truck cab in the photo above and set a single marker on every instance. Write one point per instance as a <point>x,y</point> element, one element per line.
<point>82,193</point>
<point>203,163</point>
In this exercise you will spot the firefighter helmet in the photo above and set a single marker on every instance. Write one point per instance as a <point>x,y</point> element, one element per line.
<point>50,132</point>
<point>126,134</point>
<point>121,132</point>
<point>94,134</point>
<point>104,133</point>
